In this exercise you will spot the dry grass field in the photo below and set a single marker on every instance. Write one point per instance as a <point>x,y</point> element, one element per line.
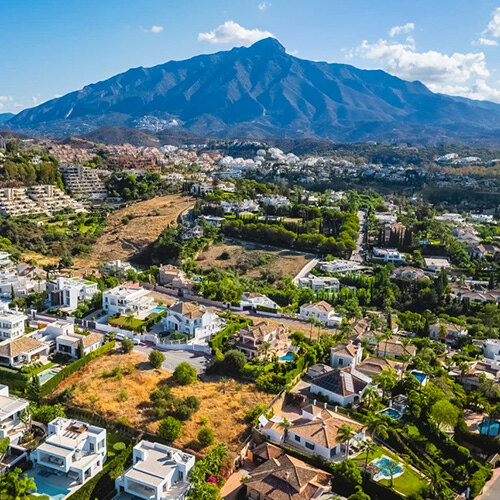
<point>223,401</point>
<point>148,219</point>
<point>251,259</point>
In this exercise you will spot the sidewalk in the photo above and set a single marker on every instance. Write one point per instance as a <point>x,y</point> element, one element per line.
<point>491,490</point>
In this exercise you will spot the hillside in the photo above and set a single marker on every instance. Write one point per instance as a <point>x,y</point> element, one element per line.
<point>261,91</point>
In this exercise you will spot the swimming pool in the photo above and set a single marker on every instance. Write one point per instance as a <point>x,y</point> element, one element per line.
<point>45,487</point>
<point>47,375</point>
<point>391,413</point>
<point>157,310</point>
<point>385,464</point>
<point>489,427</point>
<point>289,356</point>
<point>420,376</point>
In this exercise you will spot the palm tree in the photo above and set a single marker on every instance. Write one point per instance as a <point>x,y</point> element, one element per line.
<point>386,336</point>
<point>265,349</point>
<point>344,434</point>
<point>405,358</point>
<point>378,337</point>
<point>15,486</point>
<point>377,427</point>
<point>368,447</point>
<point>312,321</point>
<point>392,467</point>
<point>437,482</point>
<point>370,396</point>
<point>285,425</point>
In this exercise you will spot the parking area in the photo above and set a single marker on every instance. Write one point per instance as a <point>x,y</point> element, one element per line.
<point>174,358</point>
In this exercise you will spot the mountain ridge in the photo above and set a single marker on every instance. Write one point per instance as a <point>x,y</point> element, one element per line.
<point>260,92</point>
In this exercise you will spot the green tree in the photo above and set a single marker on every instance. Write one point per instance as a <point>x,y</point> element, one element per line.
<point>4,447</point>
<point>127,345</point>
<point>233,363</point>
<point>206,436</point>
<point>34,389</point>
<point>359,494</point>
<point>344,434</point>
<point>156,359</point>
<point>47,413</point>
<point>386,380</point>
<point>185,374</point>
<point>445,414</point>
<point>170,429</point>
<point>16,486</point>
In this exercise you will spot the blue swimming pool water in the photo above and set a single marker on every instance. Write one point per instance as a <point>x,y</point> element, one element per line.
<point>489,427</point>
<point>45,487</point>
<point>419,376</point>
<point>289,356</point>
<point>384,465</point>
<point>157,310</point>
<point>392,413</point>
<point>43,377</point>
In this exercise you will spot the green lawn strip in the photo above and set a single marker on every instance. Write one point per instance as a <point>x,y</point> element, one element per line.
<point>126,322</point>
<point>409,482</point>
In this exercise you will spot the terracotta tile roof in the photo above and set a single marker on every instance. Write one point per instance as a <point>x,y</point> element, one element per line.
<point>267,451</point>
<point>92,339</point>
<point>188,309</point>
<point>287,478</point>
<point>345,350</point>
<point>323,430</point>
<point>19,346</point>
<point>260,330</point>
<point>395,348</point>
<point>320,306</point>
<point>375,366</point>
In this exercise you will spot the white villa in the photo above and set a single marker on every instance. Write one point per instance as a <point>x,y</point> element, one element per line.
<point>22,351</point>
<point>158,472</point>
<point>343,355</point>
<point>255,300</point>
<point>491,349</point>
<point>316,283</point>
<point>127,299</point>
<point>315,430</point>
<point>321,311</point>
<point>69,344</point>
<point>195,321</point>
<point>69,292</point>
<point>11,409</point>
<point>12,323</point>
<point>73,448</point>
<point>117,268</point>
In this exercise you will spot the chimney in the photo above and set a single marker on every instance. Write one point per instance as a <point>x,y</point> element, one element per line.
<point>314,402</point>
<point>325,405</point>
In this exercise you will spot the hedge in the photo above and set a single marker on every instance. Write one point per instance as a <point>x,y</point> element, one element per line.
<point>101,485</point>
<point>68,370</point>
<point>15,380</point>
<point>487,443</point>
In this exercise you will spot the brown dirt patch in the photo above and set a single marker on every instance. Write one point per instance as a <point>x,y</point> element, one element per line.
<point>223,401</point>
<point>149,219</point>
<point>242,253</point>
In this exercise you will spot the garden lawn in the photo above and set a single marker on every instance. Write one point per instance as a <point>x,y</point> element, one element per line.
<point>126,322</point>
<point>408,483</point>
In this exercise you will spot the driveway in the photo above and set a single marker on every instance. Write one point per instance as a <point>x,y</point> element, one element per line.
<point>173,358</point>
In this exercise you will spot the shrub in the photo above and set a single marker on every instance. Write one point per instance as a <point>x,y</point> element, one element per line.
<point>234,361</point>
<point>119,446</point>
<point>170,429</point>
<point>185,408</point>
<point>123,396</point>
<point>206,436</point>
<point>185,374</point>
<point>254,413</point>
<point>127,345</point>
<point>156,358</point>
<point>47,413</point>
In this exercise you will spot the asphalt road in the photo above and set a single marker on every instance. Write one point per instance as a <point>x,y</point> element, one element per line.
<point>493,489</point>
<point>174,358</point>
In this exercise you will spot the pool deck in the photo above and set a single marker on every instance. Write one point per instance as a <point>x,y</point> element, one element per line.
<point>473,419</point>
<point>62,481</point>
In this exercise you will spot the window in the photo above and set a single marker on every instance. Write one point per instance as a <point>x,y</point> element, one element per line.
<point>91,447</point>
<point>181,476</point>
<point>341,361</point>
<point>333,452</point>
<point>309,446</point>
<point>297,438</point>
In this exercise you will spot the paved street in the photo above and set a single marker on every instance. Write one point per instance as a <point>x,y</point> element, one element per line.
<point>357,255</point>
<point>174,358</point>
<point>492,488</point>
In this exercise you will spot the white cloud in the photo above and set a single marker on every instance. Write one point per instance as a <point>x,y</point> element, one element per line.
<point>493,28</point>
<point>402,30</point>
<point>457,74</point>
<point>154,29</point>
<point>485,41</point>
<point>231,32</point>
<point>264,5</point>
<point>5,98</point>
<point>34,99</point>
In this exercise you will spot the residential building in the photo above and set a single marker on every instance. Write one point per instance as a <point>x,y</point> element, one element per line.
<point>317,283</point>
<point>435,264</point>
<point>321,311</point>
<point>476,294</point>
<point>342,355</point>
<point>84,182</point>
<point>263,338</point>
<point>70,344</point>
<point>22,351</point>
<point>74,448</point>
<point>201,189</point>
<point>127,299</point>
<point>12,323</point>
<point>287,477</point>
<point>11,410</point>
<point>394,348</point>
<point>264,452</point>
<point>275,201</point>
<point>373,366</point>
<point>255,301</point>
<point>173,277</point>
<point>68,293</point>
<point>409,273</point>
<point>117,268</point>
<point>5,260</point>
<point>482,250</point>
<point>491,349</point>
<point>387,255</point>
<point>195,321</point>
<point>318,369</point>
<point>157,472</point>
<point>483,218</point>
<point>343,387</point>
<point>449,333</point>
<point>386,217</point>
<point>340,266</point>
<point>315,430</point>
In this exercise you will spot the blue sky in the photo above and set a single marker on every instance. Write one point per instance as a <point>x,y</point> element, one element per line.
<point>51,47</point>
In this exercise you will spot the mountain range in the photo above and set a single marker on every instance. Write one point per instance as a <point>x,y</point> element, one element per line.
<point>261,91</point>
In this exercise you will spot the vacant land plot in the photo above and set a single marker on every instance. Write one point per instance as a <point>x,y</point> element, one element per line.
<point>224,402</point>
<point>133,228</point>
<point>252,259</point>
